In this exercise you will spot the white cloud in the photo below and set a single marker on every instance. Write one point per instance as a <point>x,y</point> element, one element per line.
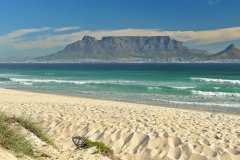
<point>202,37</point>
<point>68,28</point>
<point>208,36</point>
<point>12,37</point>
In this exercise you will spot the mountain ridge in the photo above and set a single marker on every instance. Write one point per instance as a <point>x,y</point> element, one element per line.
<point>135,49</point>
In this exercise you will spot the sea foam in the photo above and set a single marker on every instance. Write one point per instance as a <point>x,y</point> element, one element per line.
<point>223,81</point>
<point>216,94</point>
<point>78,82</point>
<point>204,103</point>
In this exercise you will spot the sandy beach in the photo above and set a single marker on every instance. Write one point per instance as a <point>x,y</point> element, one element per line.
<point>133,131</point>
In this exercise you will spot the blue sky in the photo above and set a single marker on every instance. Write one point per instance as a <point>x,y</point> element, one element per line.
<point>38,27</point>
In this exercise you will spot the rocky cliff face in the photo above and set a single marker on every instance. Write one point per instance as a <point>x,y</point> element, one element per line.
<point>128,48</point>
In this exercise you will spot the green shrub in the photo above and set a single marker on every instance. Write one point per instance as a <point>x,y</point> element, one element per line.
<point>100,146</point>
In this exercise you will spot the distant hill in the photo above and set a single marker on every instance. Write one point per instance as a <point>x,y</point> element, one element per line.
<point>231,52</point>
<point>136,49</point>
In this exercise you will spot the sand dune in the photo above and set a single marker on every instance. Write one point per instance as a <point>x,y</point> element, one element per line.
<point>133,131</point>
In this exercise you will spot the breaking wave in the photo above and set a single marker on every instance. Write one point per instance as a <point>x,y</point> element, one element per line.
<point>172,87</point>
<point>154,88</point>
<point>222,81</point>
<point>182,87</point>
<point>216,94</point>
<point>149,84</point>
<point>77,82</point>
<point>204,103</point>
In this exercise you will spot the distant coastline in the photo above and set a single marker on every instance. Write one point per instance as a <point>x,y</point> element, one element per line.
<point>122,62</point>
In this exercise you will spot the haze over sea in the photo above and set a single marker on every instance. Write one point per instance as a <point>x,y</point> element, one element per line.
<point>202,86</point>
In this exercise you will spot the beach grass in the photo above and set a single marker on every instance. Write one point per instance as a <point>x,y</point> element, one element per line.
<point>34,128</point>
<point>100,146</point>
<point>12,140</point>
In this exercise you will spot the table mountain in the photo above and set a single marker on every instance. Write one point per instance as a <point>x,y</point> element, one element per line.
<point>125,49</point>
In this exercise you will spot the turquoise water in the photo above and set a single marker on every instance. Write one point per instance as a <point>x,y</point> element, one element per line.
<point>197,85</point>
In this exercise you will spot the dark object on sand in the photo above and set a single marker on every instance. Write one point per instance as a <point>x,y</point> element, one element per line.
<point>80,142</point>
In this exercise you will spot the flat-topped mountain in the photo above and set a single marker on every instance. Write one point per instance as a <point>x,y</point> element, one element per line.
<point>125,48</point>
<point>137,49</point>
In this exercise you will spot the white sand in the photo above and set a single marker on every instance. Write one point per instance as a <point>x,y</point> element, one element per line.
<point>133,131</point>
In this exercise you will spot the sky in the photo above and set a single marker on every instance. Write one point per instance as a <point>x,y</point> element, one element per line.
<point>32,28</point>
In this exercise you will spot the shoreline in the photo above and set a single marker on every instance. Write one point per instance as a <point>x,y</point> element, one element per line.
<point>210,109</point>
<point>133,131</point>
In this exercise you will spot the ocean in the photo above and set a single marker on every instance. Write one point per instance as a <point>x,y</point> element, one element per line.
<point>201,86</point>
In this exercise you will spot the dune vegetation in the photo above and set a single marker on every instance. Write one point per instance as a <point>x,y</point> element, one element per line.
<point>12,139</point>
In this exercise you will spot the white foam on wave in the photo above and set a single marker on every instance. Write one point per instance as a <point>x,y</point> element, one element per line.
<point>224,81</point>
<point>204,103</point>
<point>154,88</point>
<point>182,87</point>
<point>174,87</point>
<point>28,81</point>
<point>216,94</point>
<point>151,85</point>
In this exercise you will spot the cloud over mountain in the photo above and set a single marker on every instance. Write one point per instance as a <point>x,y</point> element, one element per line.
<point>58,37</point>
<point>68,28</point>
